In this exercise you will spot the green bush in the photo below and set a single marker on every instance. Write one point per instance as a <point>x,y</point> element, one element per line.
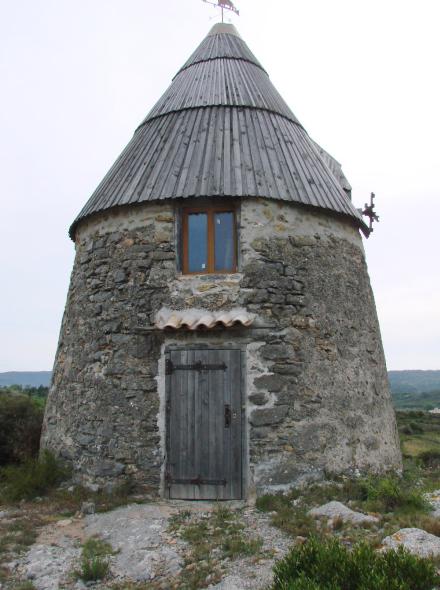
<point>407,429</point>
<point>21,418</point>
<point>328,565</point>
<point>236,545</point>
<point>34,477</point>
<point>94,560</point>
<point>430,458</point>
<point>93,569</point>
<point>25,586</point>
<point>272,502</point>
<point>390,493</point>
<point>416,427</point>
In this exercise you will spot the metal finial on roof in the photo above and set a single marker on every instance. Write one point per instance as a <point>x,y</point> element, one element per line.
<point>371,213</point>
<point>224,5</point>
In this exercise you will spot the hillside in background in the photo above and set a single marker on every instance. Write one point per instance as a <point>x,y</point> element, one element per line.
<point>417,401</point>
<point>25,378</point>
<point>414,381</point>
<point>412,390</point>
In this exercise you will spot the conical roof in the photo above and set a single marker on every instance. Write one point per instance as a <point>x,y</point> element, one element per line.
<point>221,130</point>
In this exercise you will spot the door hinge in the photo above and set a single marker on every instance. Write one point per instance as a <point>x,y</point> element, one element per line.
<point>170,367</point>
<point>196,481</point>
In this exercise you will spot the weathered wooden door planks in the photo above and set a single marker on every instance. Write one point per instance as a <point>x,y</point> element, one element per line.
<point>204,424</point>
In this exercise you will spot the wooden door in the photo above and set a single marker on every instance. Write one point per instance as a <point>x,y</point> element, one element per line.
<point>204,424</point>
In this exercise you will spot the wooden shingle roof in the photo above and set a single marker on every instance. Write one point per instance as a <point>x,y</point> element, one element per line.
<point>221,130</point>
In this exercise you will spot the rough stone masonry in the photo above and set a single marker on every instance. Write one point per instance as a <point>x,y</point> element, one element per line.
<point>317,398</point>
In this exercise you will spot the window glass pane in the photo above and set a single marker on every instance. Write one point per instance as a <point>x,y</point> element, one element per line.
<point>197,242</point>
<point>224,241</point>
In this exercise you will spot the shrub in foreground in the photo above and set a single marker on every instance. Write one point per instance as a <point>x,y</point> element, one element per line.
<point>94,560</point>
<point>34,477</point>
<point>328,565</point>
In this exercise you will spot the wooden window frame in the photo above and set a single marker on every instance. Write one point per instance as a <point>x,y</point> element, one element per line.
<point>210,211</point>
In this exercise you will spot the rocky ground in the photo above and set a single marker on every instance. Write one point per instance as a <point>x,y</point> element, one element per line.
<point>172,545</point>
<point>146,550</point>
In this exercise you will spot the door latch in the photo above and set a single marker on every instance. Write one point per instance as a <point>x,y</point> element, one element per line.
<point>227,415</point>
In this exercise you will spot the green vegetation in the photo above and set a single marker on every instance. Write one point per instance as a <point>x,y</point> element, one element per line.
<point>415,390</point>
<point>329,565</point>
<point>417,401</point>
<point>38,394</point>
<point>211,538</point>
<point>399,502</point>
<point>414,381</point>
<point>25,586</point>
<point>21,419</point>
<point>94,560</point>
<point>68,501</point>
<point>420,439</point>
<point>34,477</point>
<point>392,494</point>
<point>17,536</point>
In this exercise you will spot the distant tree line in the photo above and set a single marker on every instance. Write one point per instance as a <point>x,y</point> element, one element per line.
<point>417,401</point>
<point>38,392</point>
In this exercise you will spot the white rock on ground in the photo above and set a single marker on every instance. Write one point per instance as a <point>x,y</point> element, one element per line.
<point>47,566</point>
<point>230,583</point>
<point>334,510</point>
<point>136,533</point>
<point>417,541</point>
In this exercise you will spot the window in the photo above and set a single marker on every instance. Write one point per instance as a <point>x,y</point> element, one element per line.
<point>209,240</point>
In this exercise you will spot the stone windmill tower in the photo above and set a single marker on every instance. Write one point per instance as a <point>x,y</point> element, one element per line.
<point>220,335</point>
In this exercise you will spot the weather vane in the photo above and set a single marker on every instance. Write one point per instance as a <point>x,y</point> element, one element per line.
<point>370,212</point>
<point>224,5</point>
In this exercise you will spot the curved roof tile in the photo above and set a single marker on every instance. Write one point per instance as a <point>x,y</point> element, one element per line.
<point>221,130</point>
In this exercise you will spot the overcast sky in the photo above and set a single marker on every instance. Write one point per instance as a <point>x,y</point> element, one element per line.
<point>77,77</point>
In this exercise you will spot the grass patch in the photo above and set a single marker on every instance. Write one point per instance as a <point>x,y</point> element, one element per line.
<point>68,502</point>
<point>419,433</point>
<point>391,493</point>
<point>94,560</point>
<point>399,501</point>
<point>237,545</point>
<point>273,502</point>
<point>34,477</point>
<point>17,536</point>
<point>430,459</point>
<point>176,520</point>
<point>328,565</point>
<point>295,522</point>
<point>212,538</point>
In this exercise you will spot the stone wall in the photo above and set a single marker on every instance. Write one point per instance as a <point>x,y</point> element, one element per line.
<point>317,392</point>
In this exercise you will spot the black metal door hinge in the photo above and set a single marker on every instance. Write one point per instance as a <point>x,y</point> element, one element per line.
<point>196,481</point>
<point>170,367</point>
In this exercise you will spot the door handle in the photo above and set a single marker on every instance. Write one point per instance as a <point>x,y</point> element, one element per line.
<point>227,415</point>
